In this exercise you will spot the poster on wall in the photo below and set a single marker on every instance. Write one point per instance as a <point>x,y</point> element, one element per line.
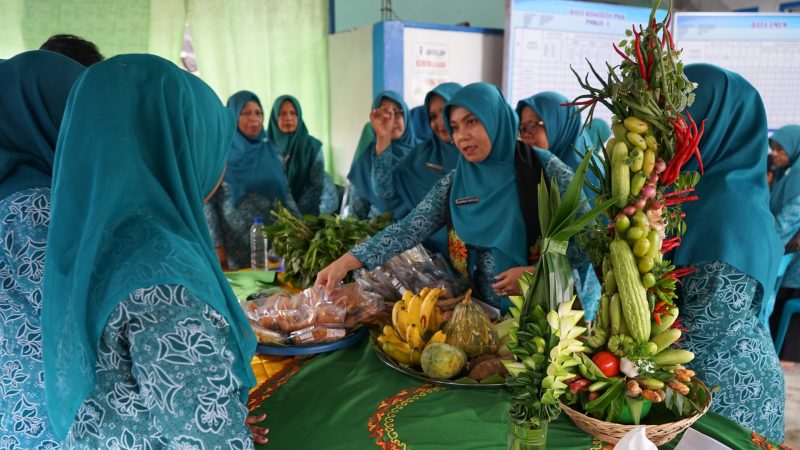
<point>545,38</point>
<point>763,48</point>
<point>431,68</point>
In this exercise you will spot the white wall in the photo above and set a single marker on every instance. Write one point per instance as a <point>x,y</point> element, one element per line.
<point>350,60</point>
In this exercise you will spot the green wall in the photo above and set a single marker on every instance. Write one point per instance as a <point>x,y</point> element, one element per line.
<point>351,14</point>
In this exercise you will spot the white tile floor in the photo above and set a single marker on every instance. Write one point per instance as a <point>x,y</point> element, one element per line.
<point>792,416</point>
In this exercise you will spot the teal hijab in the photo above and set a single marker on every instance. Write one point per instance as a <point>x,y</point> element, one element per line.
<point>731,221</point>
<point>495,220</point>
<point>564,134</point>
<point>361,171</point>
<point>598,132</point>
<point>33,94</point>
<point>788,186</point>
<point>429,161</point>
<point>143,143</point>
<point>253,164</point>
<point>563,127</point>
<point>297,148</point>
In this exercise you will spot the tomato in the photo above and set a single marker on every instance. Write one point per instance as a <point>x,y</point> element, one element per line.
<point>607,363</point>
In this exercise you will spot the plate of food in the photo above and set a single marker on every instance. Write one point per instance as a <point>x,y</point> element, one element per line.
<point>311,321</point>
<point>461,352</point>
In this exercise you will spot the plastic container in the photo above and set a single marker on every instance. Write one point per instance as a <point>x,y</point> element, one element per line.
<point>259,247</point>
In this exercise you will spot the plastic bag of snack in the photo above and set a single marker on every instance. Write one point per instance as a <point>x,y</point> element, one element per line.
<point>316,334</point>
<point>267,336</point>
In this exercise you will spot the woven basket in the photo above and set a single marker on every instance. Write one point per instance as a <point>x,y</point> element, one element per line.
<point>612,432</point>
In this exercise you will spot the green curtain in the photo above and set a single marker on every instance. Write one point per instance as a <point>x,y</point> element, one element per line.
<point>270,47</point>
<point>115,26</point>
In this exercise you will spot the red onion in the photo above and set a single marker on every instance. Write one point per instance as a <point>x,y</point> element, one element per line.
<point>653,179</point>
<point>656,205</point>
<point>648,191</point>
<point>629,210</point>
<point>640,203</point>
<point>661,165</point>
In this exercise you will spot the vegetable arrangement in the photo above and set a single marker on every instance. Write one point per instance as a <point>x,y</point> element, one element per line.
<point>635,328</point>
<point>310,243</point>
<point>543,331</point>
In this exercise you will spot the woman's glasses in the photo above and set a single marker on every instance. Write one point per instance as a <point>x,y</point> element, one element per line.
<point>529,128</point>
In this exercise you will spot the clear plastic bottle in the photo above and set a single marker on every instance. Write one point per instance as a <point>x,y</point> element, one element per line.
<point>258,245</point>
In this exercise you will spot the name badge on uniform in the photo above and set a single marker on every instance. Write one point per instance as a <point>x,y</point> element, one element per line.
<point>466,200</point>
<point>434,167</point>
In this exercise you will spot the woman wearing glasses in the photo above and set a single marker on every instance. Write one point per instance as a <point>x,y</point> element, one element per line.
<point>371,190</point>
<point>547,125</point>
<point>488,202</point>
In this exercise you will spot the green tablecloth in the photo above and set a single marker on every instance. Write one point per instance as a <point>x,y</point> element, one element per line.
<point>247,282</point>
<point>350,400</point>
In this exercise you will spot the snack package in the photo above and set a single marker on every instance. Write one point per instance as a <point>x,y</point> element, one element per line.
<point>316,334</point>
<point>267,336</point>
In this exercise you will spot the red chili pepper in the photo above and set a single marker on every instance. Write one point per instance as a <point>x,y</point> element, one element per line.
<point>621,53</point>
<point>677,193</point>
<point>637,46</point>
<point>678,201</point>
<point>583,102</point>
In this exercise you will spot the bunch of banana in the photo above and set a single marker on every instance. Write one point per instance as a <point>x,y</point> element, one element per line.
<point>416,323</point>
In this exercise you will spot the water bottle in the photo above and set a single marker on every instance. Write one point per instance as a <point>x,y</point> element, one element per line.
<point>258,245</point>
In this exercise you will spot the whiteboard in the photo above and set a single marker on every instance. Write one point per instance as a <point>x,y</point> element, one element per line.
<point>435,56</point>
<point>544,38</point>
<point>763,48</point>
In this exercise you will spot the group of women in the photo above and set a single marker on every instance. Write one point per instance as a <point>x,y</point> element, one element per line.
<point>135,185</point>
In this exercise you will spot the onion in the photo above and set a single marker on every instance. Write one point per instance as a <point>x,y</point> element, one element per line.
<point>640,203</point>
<point>656,205</point>
<point>653,179</point>
<point>648,191</point>
<point>629,210</point>
<point>661,165</point>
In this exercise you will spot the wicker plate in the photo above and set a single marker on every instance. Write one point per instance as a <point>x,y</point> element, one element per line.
<point>613,432</point>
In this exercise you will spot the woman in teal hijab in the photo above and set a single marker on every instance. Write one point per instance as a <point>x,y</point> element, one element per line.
<point>785,205</point>
<point>371,175</point>
<point>301,154</point>
<point>428,162</point>
<point>731,242</point>
<point>33,94</point>
<point>490,240</point>
<point>254,183</point>
<point>138,321</point>
<point>547,125</point>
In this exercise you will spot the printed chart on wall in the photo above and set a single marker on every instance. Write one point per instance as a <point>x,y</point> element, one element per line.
<point>763,48</point>
<point>545,38</point>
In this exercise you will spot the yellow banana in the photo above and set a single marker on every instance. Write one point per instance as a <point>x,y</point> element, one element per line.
<point>396,310</point>
<point>427,311</point>
<point>413,337</point>
<point>402,322</point>
<point>414,307</point>
<point>407,295</point>
<point>424,292</point>
<point>438,318</point>
<point>396,353</point>
<point>416,356</point>
<point>438,337</point>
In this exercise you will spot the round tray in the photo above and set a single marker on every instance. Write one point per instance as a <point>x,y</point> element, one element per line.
<point>419,375</point>
<point>295,350</point>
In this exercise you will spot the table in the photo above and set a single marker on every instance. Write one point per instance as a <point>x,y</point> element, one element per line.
<point>350,400</point>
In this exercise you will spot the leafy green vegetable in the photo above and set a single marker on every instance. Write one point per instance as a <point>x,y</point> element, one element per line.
<point>310,243</point>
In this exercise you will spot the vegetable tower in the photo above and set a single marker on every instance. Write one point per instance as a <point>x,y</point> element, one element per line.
<point>636,329</point>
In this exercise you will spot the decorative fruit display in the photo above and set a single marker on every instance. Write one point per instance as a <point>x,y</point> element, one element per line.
<point>442,361</point>
<point>416,322</point>
<point>635,327</point>
<point>470,329</point>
